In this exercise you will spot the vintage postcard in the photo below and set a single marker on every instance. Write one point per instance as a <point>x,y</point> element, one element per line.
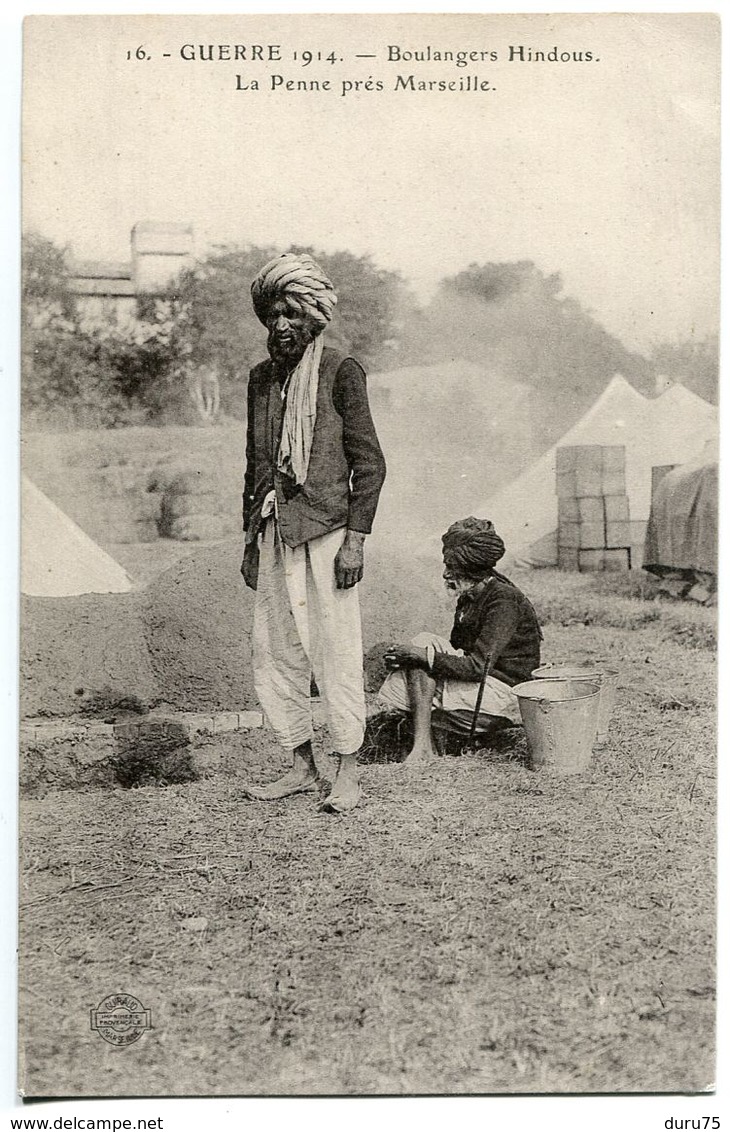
<point>369,555</point>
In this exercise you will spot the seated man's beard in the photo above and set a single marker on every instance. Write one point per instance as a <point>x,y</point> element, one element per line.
<point>456,584</point>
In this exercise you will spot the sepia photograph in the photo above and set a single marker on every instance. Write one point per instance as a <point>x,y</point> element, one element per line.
<point>369,540</point>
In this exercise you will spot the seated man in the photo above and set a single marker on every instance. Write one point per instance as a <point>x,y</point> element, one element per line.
<point>495,632</point>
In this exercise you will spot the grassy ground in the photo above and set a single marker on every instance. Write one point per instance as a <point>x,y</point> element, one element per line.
<point>479,928</point>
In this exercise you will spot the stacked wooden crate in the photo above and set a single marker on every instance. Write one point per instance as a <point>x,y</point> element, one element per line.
<point>594,529</point>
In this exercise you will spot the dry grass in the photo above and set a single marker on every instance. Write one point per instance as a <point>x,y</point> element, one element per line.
<point>478,928</point>
<point>619,601</point>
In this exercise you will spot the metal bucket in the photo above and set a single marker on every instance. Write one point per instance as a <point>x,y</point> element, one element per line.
<point>605,678</point>
<point>560,718</point>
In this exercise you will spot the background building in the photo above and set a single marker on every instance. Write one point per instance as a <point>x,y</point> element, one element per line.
<point>108,291</point>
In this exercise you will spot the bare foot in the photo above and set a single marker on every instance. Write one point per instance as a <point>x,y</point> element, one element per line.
<point>420,756</point>
<point>303,778</point>
<point>295,781</point>
<point>346,791</point>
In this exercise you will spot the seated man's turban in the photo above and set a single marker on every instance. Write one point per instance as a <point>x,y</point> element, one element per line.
<point>472,547</point>
<point>298,278</point>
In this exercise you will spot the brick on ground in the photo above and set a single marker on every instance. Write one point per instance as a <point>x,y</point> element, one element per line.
<point>46,732</point>
<point>198,722</point>
<point>250,719</point>
<point>224,721</point>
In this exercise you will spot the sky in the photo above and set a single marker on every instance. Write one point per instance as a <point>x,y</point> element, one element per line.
<point>606,171</point>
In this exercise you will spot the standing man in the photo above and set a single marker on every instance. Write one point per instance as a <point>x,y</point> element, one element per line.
<point>314,470</point>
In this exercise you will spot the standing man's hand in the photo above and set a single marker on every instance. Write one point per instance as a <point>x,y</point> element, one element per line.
<point>350,560</point>
<point>250,564</point>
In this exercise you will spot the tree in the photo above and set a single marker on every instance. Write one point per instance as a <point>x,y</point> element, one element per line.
<point>91,373</point>
<point>80,373</point>
<point>214,321</point>
<point>58,374</point>
<point>693,362</point>
<point>513,319</point>
<point>44,272</point>
<point>371,302</point>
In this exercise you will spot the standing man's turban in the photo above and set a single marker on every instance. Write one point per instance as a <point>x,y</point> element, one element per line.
<point>301,280</point>
<point>472,547</point>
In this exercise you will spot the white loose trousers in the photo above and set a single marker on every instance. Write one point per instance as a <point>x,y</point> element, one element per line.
<point>458,696</point>
<point>302,625</point>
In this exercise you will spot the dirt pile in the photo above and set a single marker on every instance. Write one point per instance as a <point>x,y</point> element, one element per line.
<point>198,628</point>
<point>200,615</point>
<point>185,642</point>
<point>84,654</point>
<point>401,595</point>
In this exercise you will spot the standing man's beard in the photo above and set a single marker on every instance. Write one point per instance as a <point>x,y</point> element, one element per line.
<point>288,351</point>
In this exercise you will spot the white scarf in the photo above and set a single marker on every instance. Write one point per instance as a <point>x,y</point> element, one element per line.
<point>301,413</point>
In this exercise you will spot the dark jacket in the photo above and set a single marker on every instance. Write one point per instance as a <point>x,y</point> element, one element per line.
<point>495,618</point>
<point>346,465</point>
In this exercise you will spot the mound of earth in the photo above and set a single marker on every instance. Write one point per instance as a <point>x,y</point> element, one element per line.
<point>185,642</point>
<point>198,628</point>
<point>84,653</point>
<point>200,615</point>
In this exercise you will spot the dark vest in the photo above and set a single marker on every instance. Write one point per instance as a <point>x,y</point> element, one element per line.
<point>321,503</point>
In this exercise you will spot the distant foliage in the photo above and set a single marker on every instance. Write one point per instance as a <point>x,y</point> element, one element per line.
<point>60,378</point>
<point>78,372</point>
<point>45,281</point>
<point>695,363</point>
<point>514,320</point>
<point>215,323</point>
<point>508,318</point>
<point>372,304</point>
<point>495,282</point>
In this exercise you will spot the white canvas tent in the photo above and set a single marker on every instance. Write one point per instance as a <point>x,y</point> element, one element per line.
<point>57,558</point>
<point>683,425</point>
<point>670,429</point>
